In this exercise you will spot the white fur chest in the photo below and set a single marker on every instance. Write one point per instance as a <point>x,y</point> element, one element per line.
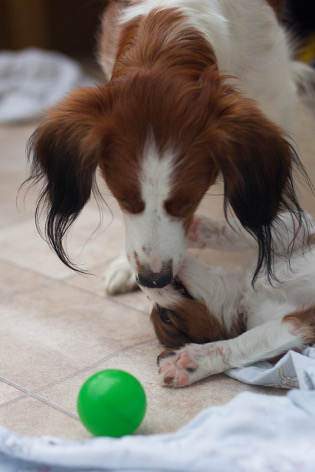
<point>293,293</point>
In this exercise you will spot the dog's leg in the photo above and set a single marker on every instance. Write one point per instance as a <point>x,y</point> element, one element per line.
<point>197,361</point>
<point>219,234</point>
<point>118,277</point>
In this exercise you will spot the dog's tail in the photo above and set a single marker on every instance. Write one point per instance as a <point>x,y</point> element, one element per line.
<point>304,77</point>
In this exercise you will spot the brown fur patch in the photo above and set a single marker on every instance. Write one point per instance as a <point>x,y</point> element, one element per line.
<point>191,321</point>
<point>303,323</point>
<point>162,38</point>
<point>277,5</point>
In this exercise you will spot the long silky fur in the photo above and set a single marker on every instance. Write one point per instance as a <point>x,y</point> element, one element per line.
<point>263,234</point>
<point>62,208</point>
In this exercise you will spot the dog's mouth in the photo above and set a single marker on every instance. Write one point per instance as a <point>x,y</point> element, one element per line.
<point>178,286</point>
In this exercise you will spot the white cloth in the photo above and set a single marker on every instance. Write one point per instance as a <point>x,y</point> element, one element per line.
<point>251,433</point>
<point>293,370</point>
<point>32,80</point>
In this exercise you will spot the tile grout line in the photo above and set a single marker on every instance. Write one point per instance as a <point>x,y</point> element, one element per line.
<point>92,366</point>
<point>105,297</point>
<point>29,290</point>
<point>45,275</point>
<point>56,407</point>
<point>33,393</point>
<point>36,272</point>
<point>17,387</point>
<point>64,281</point>
<point>29,269</point>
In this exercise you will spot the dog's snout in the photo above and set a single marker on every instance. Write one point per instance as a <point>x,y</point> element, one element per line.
<point>150,279</point>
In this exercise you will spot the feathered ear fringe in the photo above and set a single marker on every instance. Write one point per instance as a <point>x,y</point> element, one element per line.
<point>301,224</point>
<point>64,152</point>
<point>258,165</point>
<point>65,192</point>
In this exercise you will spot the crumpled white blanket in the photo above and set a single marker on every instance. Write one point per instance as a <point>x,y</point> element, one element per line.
<point>294,369</point>
<point>251,433</point>
<point>32,80</point>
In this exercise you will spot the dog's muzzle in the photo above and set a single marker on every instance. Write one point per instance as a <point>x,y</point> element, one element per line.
<point>150,279</point>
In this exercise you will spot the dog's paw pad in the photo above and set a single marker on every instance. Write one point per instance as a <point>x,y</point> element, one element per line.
<point>183,380</point>
<point>177,370</point>
<point>169,377</point>
<point>185,362</point>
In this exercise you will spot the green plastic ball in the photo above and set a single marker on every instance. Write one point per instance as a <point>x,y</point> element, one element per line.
<point>111,403</point>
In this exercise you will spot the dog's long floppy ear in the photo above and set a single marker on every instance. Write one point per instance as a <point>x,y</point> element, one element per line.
<point>64,151</point>
<point>256,162</point>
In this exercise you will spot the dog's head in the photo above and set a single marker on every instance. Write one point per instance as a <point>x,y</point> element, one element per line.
<point>178,319</point>
<point>160,142</point>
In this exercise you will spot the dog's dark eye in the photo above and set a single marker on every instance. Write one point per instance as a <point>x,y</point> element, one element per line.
<point>164,315</point>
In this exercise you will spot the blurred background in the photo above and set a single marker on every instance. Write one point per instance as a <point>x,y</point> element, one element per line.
<point>70,26</point>
<point>67,26</point>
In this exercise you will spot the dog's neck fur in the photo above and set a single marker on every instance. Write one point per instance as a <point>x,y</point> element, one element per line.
<point>220,289</point>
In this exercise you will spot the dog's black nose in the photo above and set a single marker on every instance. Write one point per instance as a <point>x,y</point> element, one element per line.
<point>152,280</point>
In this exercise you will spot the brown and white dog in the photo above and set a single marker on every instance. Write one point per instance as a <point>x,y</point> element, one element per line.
<point>214,319</point>
<point>196,89</point>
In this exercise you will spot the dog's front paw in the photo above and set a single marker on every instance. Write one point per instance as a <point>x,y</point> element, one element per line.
<point>118,277</point>
<point>192,363</point>
<point>178,368</point>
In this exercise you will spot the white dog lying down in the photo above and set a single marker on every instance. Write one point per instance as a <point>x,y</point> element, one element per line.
<point>215,319</point>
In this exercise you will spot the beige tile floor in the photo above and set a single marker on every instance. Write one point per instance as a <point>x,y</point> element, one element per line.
<point>57,327</point>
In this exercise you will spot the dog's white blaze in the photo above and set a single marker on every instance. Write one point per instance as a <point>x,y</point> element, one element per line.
<point>154,237</point>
